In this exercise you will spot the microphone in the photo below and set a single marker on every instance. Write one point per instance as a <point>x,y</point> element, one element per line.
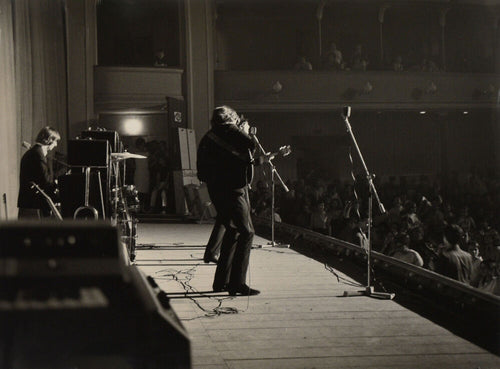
<point>346,111</point>
<point>252,131</point>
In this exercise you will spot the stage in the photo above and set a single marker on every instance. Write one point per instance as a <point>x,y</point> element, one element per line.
<point>300,319</point>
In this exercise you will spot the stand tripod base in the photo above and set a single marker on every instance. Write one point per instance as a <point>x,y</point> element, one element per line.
<point>276,244</point>
<point>370,292</point>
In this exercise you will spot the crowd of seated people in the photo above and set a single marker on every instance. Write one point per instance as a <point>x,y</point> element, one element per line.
<point>448,226</point>
<point>333,59</point>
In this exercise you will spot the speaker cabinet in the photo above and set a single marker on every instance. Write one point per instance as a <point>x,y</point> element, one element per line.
<point>110,136</point>
<point>176,110</point>
<point>88,153</point>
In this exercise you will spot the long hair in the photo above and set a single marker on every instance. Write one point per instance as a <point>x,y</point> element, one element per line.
<point>224,115</point>
<point>47,135</point>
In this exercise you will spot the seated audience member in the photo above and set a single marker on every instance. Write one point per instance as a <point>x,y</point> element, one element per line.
<point>422,246</point>
<point>348,233</point>
<point>394,212</point>
<point>359,59</point>
<point>465,221</point>
<point>302,64</point>
<point>429,66</point>
<point>388,232</point>
<point>404,253</point>
<point>361,234</point>
<point>303,217</point>
<point>160,59</point>
<point>411,216</point>
<point>332,58</point>
<point>452,261</point>
<point>397,64</point>
<point>449,214</point>
<point>489,242</point>
<point>335,211</point>
<point>487,278</point>
<point>319,219</point>
<point>473,249</point>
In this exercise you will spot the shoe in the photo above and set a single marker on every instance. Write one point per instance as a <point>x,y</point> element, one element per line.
<point>242,290</point>
<point>208,259</point>
<point>219,289</point>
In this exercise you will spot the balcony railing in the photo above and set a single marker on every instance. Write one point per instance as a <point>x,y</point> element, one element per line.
<point>325,90</point>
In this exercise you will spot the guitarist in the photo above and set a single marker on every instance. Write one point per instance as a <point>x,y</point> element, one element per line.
<point>34,168</point>
<point>223,162</point>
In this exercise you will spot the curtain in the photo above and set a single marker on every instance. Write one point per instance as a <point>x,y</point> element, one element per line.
<point>40,67</point>
<point>32,83</point>
<point>9,138</point>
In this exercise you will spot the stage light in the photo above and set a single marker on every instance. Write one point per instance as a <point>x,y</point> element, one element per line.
<point>465,112</point>
<point>132,127</point>
<point>423,112</point>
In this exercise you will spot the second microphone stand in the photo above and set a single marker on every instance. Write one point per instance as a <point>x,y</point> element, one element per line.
<point>369,290</point>
<point>274,175</point>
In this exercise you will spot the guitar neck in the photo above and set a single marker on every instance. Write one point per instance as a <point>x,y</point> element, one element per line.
<point>47,198</point>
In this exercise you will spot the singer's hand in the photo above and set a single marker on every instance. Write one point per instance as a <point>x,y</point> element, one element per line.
<point>244,126</point>
<point>267,157</point>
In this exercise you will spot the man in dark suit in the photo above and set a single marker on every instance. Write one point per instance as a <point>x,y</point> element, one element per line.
<point>224,158</point>
<point>34,169</point>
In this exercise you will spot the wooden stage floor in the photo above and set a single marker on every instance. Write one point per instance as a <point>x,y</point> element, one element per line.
<point>300,319</point>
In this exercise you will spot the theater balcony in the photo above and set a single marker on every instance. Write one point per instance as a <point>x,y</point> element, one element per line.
<point>278,90</point>
<point>135,87</point>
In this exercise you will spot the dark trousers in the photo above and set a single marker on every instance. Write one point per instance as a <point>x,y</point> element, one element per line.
<point>233,208</point>
<point>215,241</point>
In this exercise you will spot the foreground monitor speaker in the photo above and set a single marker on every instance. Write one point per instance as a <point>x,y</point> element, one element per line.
<point>68,299</point>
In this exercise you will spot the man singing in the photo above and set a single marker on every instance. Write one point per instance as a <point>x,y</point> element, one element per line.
<point>34,169</point>
<point>224,161</point>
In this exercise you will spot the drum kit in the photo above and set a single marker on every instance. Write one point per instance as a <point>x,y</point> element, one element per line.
<point>119,198</point>
<point>125,199</point>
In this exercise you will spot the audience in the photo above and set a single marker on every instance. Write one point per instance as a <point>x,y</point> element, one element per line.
<point>447,225</point>
<point>359,60</point>
<point>332,58</point>
<point>405,253</point>
<point>302,64</point>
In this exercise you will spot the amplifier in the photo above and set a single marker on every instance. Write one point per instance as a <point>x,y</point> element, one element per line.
<point>110,136</point>
<point>88,153</point>
<point>99,318</point>
<point>71,248</point>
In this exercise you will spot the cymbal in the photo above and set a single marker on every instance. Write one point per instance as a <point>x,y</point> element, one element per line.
<point>126,155</point>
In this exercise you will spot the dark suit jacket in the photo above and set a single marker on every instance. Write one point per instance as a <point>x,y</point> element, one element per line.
<point>34,168</point>
<point>220,167</point>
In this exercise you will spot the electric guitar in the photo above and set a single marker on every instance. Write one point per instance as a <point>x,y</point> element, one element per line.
<point>53,206</point>
<point>283,151</point>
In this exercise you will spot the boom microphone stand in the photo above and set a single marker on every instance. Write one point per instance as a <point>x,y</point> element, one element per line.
<point>274,174</point>
<point>369,290</point>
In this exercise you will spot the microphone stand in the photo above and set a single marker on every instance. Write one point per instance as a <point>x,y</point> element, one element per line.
<point>369,290</point>
<point>274,174</point>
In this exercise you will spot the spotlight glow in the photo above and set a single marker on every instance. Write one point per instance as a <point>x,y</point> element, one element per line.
<point>132,126</point>
<point>423,112</point>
